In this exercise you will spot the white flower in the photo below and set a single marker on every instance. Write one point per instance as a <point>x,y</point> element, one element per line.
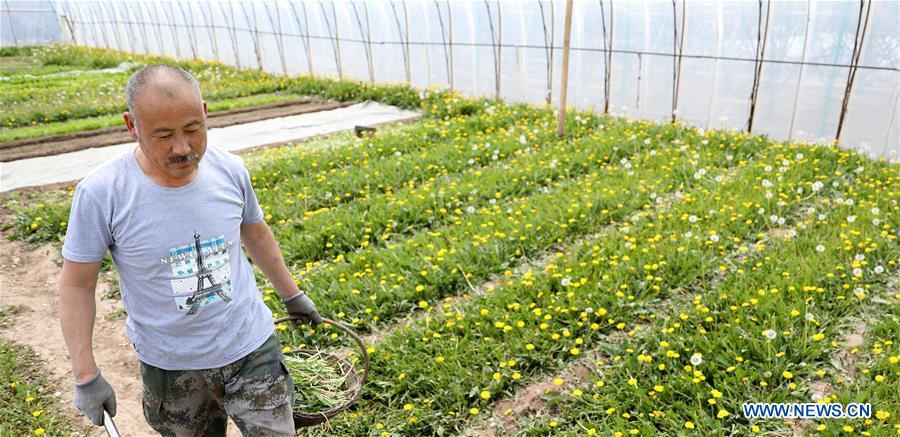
<point>692,219</point>
<point>875,210</point>
<point>470,209</point>
<point>879,269</point>
<point>773,218</point>
<point>714,238</point>
<point>696,359</point>
<point>799,156</point>
<point>820,248</point>
<point>851,219</point>
<point>809,317</point>
<point>553,163</point>
<point>821,217</point>
<point>474,146</point>
<point>876,222</point>
<point>647,141</point>
<point>857,272</point>
<point>817,185</point>
<point>766,183</point>
<point>522,139</point>
<point>492,201</point>
<point>565,281</point>
<point>859,257</point>
<point>767,168</point>
<point>398,153</point>
<point>835,183</point>
<point>770,334</point>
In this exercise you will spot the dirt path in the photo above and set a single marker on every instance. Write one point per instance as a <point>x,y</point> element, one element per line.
<point>56,144</point>
<point>28,282</point>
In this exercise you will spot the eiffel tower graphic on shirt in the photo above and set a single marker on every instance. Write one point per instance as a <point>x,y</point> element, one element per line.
<point>204,274</point>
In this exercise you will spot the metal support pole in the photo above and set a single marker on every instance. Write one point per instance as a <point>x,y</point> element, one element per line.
<point>561,120</point>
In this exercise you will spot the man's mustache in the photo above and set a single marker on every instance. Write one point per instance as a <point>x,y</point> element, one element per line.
<point>178,159</point>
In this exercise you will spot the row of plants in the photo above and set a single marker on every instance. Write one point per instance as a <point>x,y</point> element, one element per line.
<point>38,102</point>
<point>468,175</point>
<point>436,374</point>
<point>379,284</point>
<point>770,331</point>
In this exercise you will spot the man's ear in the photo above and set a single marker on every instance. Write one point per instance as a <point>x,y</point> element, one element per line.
<point>129,123</point>
<point>204,107</point>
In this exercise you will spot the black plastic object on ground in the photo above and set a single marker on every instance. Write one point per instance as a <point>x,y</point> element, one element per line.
<point>361,131</point>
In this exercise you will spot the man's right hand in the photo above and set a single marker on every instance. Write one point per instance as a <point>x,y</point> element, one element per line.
<point>93,396</point>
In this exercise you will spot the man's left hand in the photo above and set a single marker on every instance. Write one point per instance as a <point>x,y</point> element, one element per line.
<point>303,307</point>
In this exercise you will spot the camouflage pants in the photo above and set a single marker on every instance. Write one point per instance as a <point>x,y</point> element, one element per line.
<point>256,391</point>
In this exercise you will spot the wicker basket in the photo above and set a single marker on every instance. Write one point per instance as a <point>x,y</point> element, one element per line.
<point>354,378</point>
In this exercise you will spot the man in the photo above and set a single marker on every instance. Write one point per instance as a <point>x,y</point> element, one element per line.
<point>172,214</point>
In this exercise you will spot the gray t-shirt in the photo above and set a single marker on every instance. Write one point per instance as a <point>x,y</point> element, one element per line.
<point>182,314</point>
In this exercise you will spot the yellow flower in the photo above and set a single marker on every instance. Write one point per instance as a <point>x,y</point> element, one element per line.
<point>574,351</point>
<point>818,337</point>
<point>37,413</point>
<point>39,431</point>
<point>879,378</point>
<point>485,395</point>
<point>848,429</point>
<point>658,388</point>
<point>722,414</point>
<point>558,382</point>
<point>439,360</point>
<point>787,375</point>
<point>689,425</point>
<point>882,415</point>
<point>473,411</point>
<point>632,381</point>
<point>408,407</point>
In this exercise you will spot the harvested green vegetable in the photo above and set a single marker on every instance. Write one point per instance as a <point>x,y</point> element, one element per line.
<point>318,383</point>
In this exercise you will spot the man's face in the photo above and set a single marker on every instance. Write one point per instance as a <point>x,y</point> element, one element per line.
<point>170,127</point>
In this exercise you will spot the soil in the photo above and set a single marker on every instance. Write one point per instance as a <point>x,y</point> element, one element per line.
<point>531,401</point>
<point>28,280</point>
<point>56,144</point>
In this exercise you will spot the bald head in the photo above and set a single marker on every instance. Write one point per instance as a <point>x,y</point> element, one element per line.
<point>168,80</point>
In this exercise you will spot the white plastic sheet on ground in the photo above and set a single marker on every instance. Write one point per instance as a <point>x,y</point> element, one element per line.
<point>75,165</point>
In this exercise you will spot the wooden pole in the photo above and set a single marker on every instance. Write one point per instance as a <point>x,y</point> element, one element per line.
<point>561,121</point>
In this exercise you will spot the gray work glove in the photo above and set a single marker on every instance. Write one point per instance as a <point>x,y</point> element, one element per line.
<point>92,396</point>
<point>302,306</point>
